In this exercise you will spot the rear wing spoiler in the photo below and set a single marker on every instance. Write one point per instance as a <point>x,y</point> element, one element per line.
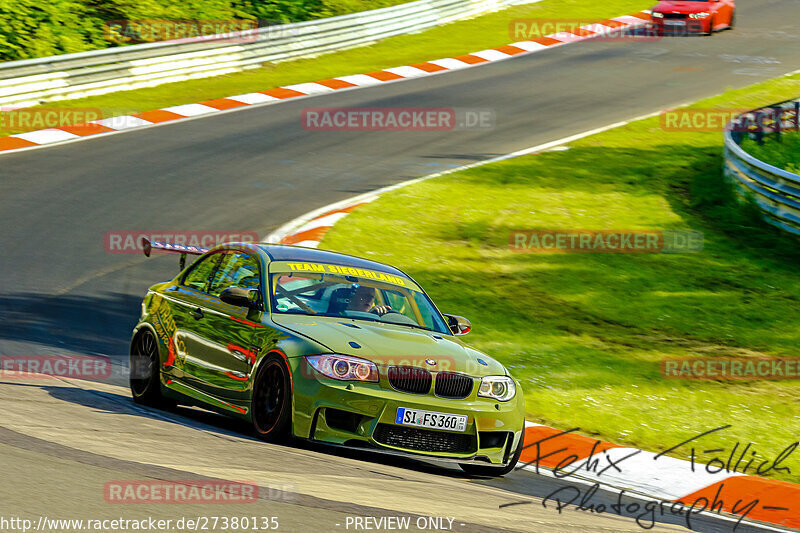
<point>148,246</point>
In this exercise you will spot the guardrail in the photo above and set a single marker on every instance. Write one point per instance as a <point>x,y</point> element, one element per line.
<point>776,191</point>
<point>35,81</point>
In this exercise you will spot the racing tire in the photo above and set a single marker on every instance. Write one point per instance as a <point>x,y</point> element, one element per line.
<point>733,21</point>
<point>711,27</point>
<point>494,471</point>
<point>271,404</point>
<point>145,372</point>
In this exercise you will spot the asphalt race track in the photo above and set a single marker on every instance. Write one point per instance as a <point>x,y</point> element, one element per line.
<point>252,170</point>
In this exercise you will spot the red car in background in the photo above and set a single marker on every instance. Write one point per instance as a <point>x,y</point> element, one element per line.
<point>693,16</point>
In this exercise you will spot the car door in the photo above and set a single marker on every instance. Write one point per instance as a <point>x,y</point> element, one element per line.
<point>186,300</point>
<point>222,348</point>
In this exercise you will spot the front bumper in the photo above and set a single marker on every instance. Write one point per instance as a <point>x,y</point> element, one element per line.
<point>686,27</point>
<point>364,414</point>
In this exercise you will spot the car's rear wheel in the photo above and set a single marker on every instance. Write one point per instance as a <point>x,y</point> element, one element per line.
<point>494,471</point>
<point>733,21</point>
<point>145,372</point>
<point>271,404</point>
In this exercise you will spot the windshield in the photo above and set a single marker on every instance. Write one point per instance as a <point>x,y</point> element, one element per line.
<point>318,289</point>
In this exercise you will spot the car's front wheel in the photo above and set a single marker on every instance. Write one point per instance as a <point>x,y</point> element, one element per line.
<point>494,471</point>
<point>271,403</point>
<point>145,372</point>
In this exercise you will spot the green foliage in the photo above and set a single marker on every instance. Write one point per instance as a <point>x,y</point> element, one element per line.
<point>783,153</point>
<point>32,28</point>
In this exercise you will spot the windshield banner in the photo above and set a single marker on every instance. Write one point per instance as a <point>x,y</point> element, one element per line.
<point>324,268</point>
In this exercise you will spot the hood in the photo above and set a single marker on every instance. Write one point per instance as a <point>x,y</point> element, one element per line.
<point>390,344</point>
<point>683,7</point>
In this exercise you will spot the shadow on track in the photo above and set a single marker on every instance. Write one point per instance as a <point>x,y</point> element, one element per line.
<point>83,324</point>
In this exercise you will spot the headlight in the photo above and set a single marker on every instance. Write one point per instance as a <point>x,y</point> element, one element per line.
<point>657,15</point>
<point>698,15</point>
<point>498,387</point>
<point>344,367</point>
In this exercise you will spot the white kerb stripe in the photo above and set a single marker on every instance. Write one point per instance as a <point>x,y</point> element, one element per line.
<point>627,19</point>
<point>122,122</point>
<point>449,63</point>
<point>491,55</point>
<point>307,244</point>
<point>329,220</point>
<point>598,28</point>
<point>47,136</point>
<point>362,80</point>
<point>665,477</point>
<point>407,72</point>
<point>530,46</point>
<point>252,98</point>
<point>191,110</point>
<point>309,88</point>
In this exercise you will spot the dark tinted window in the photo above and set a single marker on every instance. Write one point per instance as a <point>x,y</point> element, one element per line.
<point>237,269</point>
<point>198,276</point>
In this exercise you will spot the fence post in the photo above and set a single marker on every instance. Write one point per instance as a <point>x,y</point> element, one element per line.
<point>797,116</point>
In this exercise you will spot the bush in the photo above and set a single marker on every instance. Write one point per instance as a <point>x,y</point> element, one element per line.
<point>35,29</point>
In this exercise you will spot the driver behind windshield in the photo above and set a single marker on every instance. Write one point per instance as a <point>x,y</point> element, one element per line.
<point>363,299</point>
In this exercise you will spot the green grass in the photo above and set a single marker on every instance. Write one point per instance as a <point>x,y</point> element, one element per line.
<point>454,39</point>
<point>782,153</point>
<point>585,332</point>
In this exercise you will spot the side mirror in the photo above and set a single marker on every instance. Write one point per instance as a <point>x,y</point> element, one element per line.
<point>240,297</point>
<point>458,324</point>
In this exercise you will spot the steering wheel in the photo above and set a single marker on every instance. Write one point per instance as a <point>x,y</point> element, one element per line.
<point>374,311</point>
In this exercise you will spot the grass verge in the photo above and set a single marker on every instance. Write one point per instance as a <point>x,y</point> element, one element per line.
<point>585,333</point>
<point>454,39</point>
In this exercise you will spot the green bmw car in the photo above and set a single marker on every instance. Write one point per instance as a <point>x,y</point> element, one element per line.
<point>327,347</point>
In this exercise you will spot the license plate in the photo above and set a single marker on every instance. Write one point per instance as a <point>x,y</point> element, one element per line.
<point>674,23</point>
<point>431,420</point>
